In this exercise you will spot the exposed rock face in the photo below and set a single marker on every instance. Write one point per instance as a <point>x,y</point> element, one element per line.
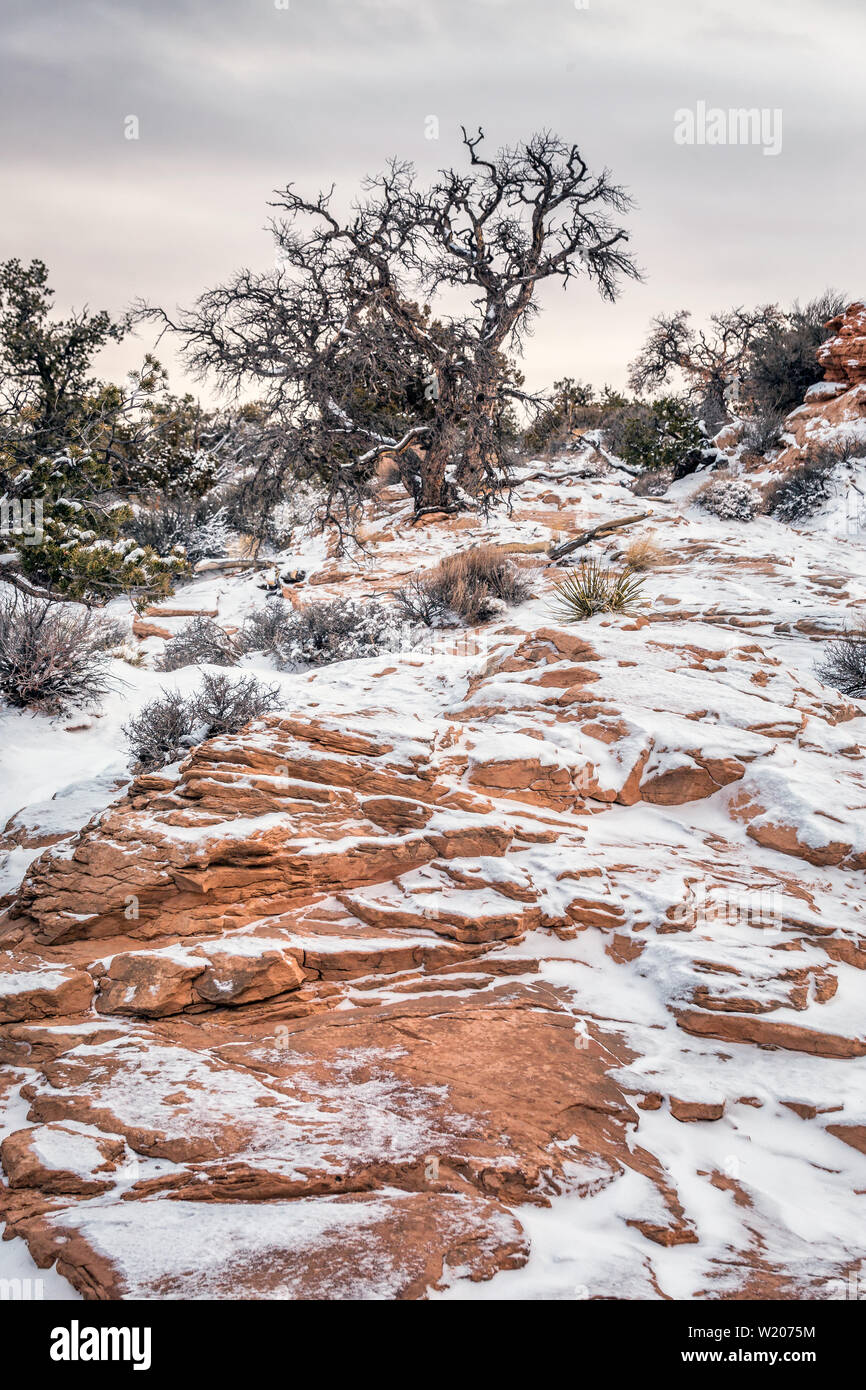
<point>29,989</point>
<point>843,356</point>
<point>835,409</point>
<point>572,918</point>
<point>340,1249</point>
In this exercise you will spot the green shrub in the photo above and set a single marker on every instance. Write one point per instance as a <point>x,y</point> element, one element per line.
<point>783,362</point>
<point>661,434</point>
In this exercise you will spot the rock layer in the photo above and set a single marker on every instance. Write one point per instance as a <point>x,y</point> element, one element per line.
<point>570,917</point>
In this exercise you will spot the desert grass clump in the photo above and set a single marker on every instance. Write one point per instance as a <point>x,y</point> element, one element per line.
<point>591,589</point>
<point>467,588</point>
<point>844,665</point>
<point>644,554</point>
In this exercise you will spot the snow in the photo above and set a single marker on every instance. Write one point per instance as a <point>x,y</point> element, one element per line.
<point>736,586</point>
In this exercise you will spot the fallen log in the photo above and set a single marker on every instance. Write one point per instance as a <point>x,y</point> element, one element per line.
<point>236,562</point>
<point>602,529</point>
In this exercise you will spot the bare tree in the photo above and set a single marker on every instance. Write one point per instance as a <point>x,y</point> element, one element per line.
<point>712,361</point>
<point>341,338</point>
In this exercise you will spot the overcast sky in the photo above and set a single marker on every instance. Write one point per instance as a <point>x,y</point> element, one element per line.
<point>236,97</point>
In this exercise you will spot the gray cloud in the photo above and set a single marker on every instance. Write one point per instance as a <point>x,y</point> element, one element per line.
<point>236,97</point>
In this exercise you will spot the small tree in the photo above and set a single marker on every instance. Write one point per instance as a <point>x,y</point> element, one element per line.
<point>63,436</point>
<point>783,360</point>
<point>661,434</point>
<point>342,339</point>
<point>712,361</point>
<point>571,403</point>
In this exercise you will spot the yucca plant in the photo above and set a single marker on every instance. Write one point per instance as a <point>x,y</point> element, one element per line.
<point>593,589</point>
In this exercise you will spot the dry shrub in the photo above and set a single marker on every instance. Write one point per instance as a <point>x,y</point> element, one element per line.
<point>172,724</point>
<point>469,587</point>
<point>844,664</point>
<point>803,490</point>
<point>226,706</point>
<point>200,643</point>
<point>317,634</point>
<point>53,656</point>
<point>653,482</point>
<point>763,431</point>
<point>644,554</point>
<point>729,499</point>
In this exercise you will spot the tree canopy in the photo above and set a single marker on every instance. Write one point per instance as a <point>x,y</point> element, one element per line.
<point>395,330</point>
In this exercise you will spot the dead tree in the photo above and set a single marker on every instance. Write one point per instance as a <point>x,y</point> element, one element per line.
<point>348,343</point>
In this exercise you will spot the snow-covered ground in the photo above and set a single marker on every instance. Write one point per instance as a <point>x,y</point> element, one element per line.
<point>738,592</point>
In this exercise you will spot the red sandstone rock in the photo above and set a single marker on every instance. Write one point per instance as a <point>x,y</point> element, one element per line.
<point>30,989</point>
<point>689,1111</point>
<point>843,356</point>
<point>59,1160</point>
<point>766,1033</point>
<point>370,1246</point>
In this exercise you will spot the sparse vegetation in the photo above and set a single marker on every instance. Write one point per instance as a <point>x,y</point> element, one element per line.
<point>468,588</point>
<point>763,431</point>
<point>764,357</point>
<point>200,643</point>
<point>729,499</point>
<point>197,529</point>
<point>710,360</point>
<point>162,730</point>
<point>571,405</point>
<point>353,366</point>
<point>800,493</point>
<point>420,603</point>
<point>172,724</point>
<point>224,705</point>
<point>53,657</point>
<point>660,435</point>
<point>844,665</point>
<point>644,554</point>
<point>319,633</point>
<point>267,629</point>
<point>782,363</point>
<point>592,588</point>
<point>654,482</point>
